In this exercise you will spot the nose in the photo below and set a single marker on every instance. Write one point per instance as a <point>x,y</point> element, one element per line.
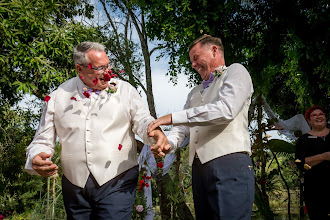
<point>193,64</point>
<point>105,70</point>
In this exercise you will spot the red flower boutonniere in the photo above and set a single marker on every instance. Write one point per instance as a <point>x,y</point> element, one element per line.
<point>120,147</point>
<point>47,97</point>
<point>160,165</point>
<point>73,98</point>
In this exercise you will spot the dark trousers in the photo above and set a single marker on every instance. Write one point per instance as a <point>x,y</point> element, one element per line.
<point>112,201</point>
<point>223,188</point>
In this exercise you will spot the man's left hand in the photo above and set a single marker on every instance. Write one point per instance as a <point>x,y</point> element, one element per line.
<point>164,120</point>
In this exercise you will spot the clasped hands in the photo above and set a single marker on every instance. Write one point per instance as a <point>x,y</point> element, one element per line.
<point>161,147</point>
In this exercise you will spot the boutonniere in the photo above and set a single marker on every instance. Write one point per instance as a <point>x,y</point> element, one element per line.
<point>220,70</point>
<point>112,88</point>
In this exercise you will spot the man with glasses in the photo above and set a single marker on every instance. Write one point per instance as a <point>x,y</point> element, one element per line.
<point>95,117</point>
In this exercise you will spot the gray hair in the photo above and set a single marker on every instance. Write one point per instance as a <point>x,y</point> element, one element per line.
<point>79,52</point>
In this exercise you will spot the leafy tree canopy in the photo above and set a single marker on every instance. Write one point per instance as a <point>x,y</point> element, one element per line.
<point>283,44</point>
<point>37,39</point>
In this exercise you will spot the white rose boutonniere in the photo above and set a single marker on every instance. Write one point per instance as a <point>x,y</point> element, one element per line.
<point>220,70</point>
<point>112,87</point>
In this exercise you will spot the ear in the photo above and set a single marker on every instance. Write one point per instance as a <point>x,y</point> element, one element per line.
<point>214,49</point>
<point>78,68</point>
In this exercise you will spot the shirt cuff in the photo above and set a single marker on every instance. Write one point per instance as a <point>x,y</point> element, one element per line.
<point>179,117</point>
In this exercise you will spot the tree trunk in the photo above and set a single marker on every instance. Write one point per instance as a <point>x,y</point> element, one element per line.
<point>266,211</point>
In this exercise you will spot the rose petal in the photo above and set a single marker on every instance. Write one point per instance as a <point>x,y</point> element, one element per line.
<point>73,98</point>
<point>47,97</point>
<point>90,66</point>
<point>95,80</point>
<point>120,146</point>
<point>86,94</point>
<point>107,77</point>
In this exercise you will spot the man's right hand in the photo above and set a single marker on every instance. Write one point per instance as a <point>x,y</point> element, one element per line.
<point>43,166</point>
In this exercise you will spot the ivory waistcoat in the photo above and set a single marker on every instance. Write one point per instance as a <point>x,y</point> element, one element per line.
<point>210,142</point>
<point>90,140</point>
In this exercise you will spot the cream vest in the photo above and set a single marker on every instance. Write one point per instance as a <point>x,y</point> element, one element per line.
<point>210,142</point>
<point>90,140</point>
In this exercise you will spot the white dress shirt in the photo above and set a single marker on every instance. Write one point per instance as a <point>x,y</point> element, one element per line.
<point>234,93</point>
<point>91,129</point>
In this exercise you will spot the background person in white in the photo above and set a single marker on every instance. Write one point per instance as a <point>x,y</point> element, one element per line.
<point>96,121</point>
<point>215,117</point>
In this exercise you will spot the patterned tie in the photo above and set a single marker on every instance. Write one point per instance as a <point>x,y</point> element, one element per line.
<point>206,83</point>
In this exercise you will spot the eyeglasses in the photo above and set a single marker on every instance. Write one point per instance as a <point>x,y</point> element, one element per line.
<point>99,70</point>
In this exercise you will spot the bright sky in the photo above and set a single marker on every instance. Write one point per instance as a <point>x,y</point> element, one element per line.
<point>168,98</point>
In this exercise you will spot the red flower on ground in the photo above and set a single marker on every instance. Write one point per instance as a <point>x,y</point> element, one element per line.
<point>47,97</point>
<point>86,94</point>
<point>120,146</point>
<point>90,66</point>
<point>160,165</point>
<point>95,80</point>
<point>73,98</point>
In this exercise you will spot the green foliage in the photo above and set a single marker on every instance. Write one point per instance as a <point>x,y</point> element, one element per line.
<point>277,145</point>
<point>282,43</point>
<point>37,39</point>
<point>50,206</point>
<point>18,190</point>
